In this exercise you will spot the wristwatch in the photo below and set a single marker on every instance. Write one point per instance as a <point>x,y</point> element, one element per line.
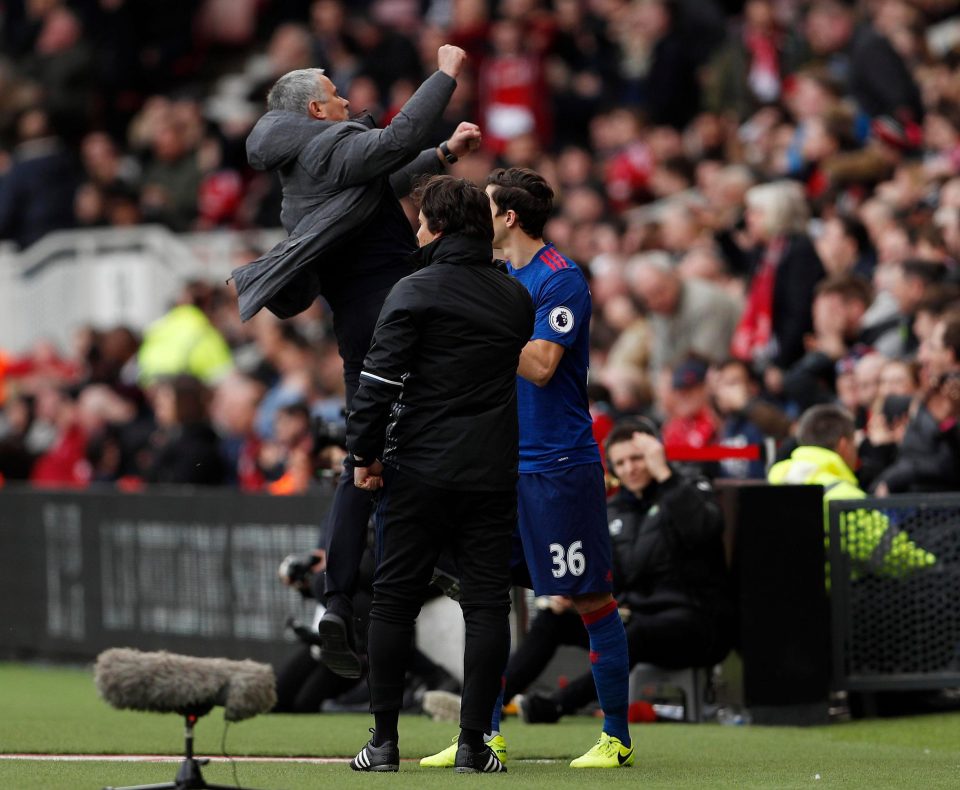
<point>448,155</point>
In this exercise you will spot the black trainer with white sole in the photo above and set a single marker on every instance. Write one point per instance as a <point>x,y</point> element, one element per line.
<point>474,761</point>
<point>383,758</point>
<point>337,654</point>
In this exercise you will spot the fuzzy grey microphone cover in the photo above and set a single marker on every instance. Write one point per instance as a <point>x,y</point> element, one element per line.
<point>170,683</point>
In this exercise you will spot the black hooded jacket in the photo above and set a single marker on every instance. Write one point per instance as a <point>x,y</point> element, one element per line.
<point>438,393</point>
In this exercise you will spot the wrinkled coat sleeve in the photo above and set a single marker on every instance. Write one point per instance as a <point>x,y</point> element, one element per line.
<point>427,164</point>
<point>381,381</point>
<point>359,158</point>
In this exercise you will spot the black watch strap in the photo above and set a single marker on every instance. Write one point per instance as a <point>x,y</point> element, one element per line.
<point>448,155</point>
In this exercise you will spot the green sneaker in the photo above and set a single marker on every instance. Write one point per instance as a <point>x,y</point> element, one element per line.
<point>608,752</point>
<point>446,758</point>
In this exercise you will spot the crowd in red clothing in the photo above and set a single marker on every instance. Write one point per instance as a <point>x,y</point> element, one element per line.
<point>764,194</point>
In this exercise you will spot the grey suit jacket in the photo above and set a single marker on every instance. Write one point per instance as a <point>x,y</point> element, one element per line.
<point>334,175</point>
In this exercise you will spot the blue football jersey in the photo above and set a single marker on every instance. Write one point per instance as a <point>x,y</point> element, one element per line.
<point>555,425</point>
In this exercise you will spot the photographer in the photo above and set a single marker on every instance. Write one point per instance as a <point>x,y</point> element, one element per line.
<point>304,683</point>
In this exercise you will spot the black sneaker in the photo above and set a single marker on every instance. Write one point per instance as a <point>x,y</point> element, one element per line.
<point>473,761</point>
<point>538,709</point>
<point>336,652</point>
<point>385,757</point>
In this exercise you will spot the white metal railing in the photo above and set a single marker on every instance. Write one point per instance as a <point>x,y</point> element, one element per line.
<point>109,277</point>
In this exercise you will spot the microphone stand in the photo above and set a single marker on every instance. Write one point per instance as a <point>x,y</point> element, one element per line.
<point>189,776</point>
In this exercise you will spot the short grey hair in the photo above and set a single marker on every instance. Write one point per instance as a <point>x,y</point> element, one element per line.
<point>783,204</point>
<point>295,90</point>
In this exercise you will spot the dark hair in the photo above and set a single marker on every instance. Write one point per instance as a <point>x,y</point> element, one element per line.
<point>938,299</point>
<point>624,430</point>
<point>849,287</point>
<point>824,426</point>
<point>930,272</point>
<point>298,408</point>
<point>526,193</point>
<point>292,335</point>
<point>734,362</point>
<point>455,205</point>
<point>191,398</point>
<point>854,229</point>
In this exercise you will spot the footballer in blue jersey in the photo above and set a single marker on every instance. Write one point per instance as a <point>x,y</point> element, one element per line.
<point>562,519</point>
<point>555,423</point>
<point>562,525</point>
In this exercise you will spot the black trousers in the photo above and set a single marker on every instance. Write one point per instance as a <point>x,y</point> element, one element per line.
<point>415,523</point>
<point>671,638</point>
<point>346,536</point>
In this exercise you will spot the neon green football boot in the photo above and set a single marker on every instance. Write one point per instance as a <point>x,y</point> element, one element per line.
<point>608,752</point>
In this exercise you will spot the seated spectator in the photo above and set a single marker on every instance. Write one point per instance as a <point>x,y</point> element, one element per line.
<point>669,577</point>
<point>288,460</point>
<point>910,282</point>
<point>927,459</point>
<point>233,411</point>
<point>690,420</point>
<point>777,314</point>
<point>825,456</point>
<point>36,193</point>
<point>292,356</point>
<point>63,463</point>
<point>184,449</point>
<point>687,316</point>
<point>16,460</point>
<point>839,304</point>
<point>744,418</point>
<point>844,247</point>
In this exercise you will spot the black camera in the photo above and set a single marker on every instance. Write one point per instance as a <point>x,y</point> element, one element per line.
<point>298,570</point>
<point>328,432</point>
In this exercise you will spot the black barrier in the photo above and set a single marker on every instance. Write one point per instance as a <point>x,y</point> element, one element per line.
<point>895,612</point>
<point>190,571</point>
<point>778,559</point>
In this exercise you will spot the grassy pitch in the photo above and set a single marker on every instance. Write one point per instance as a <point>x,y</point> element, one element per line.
<point>56,711</point>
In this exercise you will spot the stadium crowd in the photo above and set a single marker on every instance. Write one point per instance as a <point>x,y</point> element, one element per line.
<point>765,196</point>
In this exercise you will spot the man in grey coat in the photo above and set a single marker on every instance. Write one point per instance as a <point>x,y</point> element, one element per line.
<point>349,241</point>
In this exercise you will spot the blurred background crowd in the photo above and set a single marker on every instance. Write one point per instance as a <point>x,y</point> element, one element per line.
<point>765,196</point>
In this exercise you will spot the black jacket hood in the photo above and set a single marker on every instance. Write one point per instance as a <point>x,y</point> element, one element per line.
<point>456,248</point>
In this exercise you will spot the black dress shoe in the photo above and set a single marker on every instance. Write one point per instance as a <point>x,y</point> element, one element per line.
<point>337,654</point>
<point>385,757</point>
<point>538,709</point>
<point>477,761</point>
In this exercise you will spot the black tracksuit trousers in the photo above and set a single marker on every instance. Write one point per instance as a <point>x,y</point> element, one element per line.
<point>416,521</point>
<point>346,536</point>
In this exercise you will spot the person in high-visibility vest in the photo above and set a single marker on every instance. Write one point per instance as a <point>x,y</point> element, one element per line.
<point>825,456</point>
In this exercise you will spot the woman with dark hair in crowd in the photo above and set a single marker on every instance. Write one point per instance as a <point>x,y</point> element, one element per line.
<point>184,449</point>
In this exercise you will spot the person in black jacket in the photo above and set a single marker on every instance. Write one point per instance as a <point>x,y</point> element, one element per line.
<point>184,450</point>
<point>669,577</point>
<point>434,423</point>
